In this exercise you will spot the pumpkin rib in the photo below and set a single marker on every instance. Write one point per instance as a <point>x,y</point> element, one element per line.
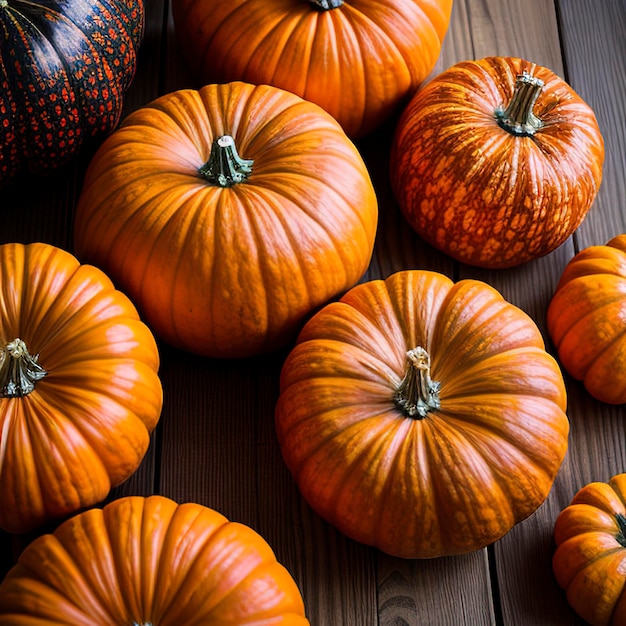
<point>445,492</point>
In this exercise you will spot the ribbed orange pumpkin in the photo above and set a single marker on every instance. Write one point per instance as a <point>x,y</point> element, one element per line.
<point>79,390</point>
<point>228,214</point>
<point>587,319</point>
<point>590,557</point>
<point>496,162</point>
<point>357,59</point>
<point>150,562</point>
<point>422,417</point>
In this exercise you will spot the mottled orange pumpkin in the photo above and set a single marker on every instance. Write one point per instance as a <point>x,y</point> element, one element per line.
<point>496,162</point>
<point>150,562</point>
<point>79,390</point>
<point>590,557</point>
<point>228,214</point>
<point>421,416</point>
<point>357,59</point>
<point>587,319</point>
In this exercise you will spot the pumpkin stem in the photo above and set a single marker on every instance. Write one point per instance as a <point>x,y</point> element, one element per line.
<point>518,117</point>
<point>18,370</point>
<point>225,167</point>
<point>327,4</point>
<point>417,393</point>
<point>621,535</point>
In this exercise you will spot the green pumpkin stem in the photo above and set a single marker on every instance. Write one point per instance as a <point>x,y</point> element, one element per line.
<point>417,394</point>
<point>19,371</point>
<point>518,117</point>
<point>225,167</point>
<point>621,535</point>
<point>327,4</point>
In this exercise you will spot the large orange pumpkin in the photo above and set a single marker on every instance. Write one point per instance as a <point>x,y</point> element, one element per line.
<point>228,214</point>
<point>79,390</point>
<point>590,558</point>
<point>496,162</point>
<point>587,319</point>
<point>357,59</point>
<point>150,561</point>
<point>421,416</point>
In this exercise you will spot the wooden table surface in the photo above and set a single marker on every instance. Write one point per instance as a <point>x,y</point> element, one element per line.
<point>216,444</point>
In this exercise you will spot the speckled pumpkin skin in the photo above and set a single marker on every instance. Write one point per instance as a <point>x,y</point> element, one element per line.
<point>64,68</point>
<point>480,193</point>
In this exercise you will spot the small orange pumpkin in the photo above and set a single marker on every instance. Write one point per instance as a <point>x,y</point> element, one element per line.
<point>421,416</point>
<point>590,557</point>
<point>587,319</point>
<point>150,561</point>
<point>228,214</point>
<point>496,162</point>
<point>79,390</point>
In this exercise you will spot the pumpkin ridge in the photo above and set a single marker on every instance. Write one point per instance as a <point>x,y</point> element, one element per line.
<point>198,549</point>
<point>442,488</point>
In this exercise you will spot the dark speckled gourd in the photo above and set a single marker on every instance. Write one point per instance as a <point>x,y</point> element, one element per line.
<point>64,68</point>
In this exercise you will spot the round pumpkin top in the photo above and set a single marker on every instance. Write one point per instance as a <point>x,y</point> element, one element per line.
<point>422,416</point>
<point>79,386</point>
<point>228,214</point>
<point>150,562</point>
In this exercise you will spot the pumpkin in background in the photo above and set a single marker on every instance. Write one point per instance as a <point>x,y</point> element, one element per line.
<point>64,69</point>
<point>79,390</point>
<point>496,162</point>
<point>587,320</point>
<point>590,558</point>
<point>421,416</point>
<point>228,214</point>
<point>358,59</point>
<point>150,561</point>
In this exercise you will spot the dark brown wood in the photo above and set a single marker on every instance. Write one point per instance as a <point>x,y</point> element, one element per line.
<point>216,444</point>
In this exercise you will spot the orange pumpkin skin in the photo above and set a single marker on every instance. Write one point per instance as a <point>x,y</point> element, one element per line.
<point>442,478</point>
<point>590,558</point>
<point>228,271</point>
<point>586,319</point>
<point>357,59</point>
<point>85,425</point>
<point>150,561</point>
<point>492,179</point>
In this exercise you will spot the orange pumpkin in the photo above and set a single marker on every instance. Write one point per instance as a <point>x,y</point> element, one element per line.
<point>586,318</point>
<point>421,416</point>
<point>590,557</point>
<point>228,214</point>
<point>358,59</point>
<point>496,162</point>
<point>150,561</point>
<point>79,390</point>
